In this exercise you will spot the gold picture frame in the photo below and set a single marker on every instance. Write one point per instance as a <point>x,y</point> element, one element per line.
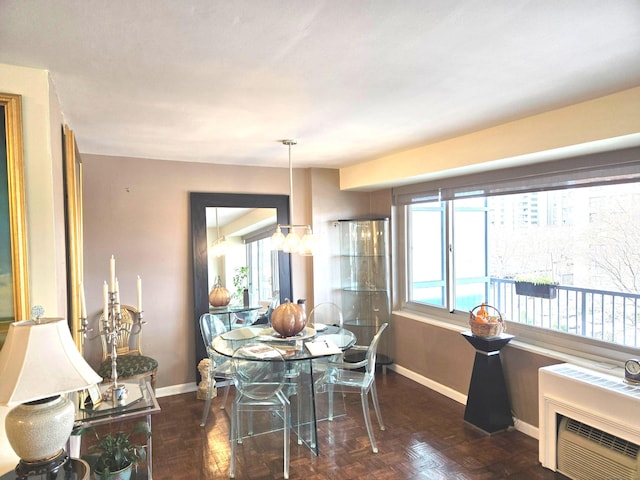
<point>14,282</point>
<point>73,216</point>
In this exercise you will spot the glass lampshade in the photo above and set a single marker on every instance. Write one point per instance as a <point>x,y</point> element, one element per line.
<point>277,239</point>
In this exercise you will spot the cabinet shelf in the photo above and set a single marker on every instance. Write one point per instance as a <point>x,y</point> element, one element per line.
<point>364,290</point>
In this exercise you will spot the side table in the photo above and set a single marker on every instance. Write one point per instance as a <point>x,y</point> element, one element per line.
<point>488,406</point>
<point>142,403</point>
<point>75,469</point>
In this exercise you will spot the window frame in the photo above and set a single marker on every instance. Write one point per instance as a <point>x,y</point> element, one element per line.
<point>619,166</point>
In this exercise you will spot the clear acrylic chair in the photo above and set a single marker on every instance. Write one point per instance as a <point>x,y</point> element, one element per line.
<point>220,366</point>
<point>326,313</point>
<point>260,379</point>
<point>345,377</point>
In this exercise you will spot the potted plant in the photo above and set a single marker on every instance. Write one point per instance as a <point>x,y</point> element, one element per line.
<point>541,287</point>
<point>113,457</point>
<point>240,277</point>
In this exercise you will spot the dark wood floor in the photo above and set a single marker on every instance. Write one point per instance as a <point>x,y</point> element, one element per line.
<point>426,438</point>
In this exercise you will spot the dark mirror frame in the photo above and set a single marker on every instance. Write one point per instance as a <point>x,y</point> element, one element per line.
<point>199,202</point>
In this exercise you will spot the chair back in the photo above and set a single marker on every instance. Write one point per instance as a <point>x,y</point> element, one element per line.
<point>211,326</point>
<point>273,304</point>
<point>129,336</point>
<point>326,313</point>
<point>370,367</point>
<point>258,371</point>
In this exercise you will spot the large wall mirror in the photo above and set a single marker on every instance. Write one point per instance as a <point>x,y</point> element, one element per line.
<point>230,234</point>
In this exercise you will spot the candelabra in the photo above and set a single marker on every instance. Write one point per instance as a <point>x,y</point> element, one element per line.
<point>114,330</point>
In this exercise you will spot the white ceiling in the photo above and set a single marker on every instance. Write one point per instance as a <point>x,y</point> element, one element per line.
<point>350,80</point>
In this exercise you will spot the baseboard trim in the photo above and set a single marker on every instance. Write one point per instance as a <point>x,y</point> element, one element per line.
<point>176,389</point>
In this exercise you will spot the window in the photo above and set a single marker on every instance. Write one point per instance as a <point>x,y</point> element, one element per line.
<point>263,270</point>
<point>469,242</point>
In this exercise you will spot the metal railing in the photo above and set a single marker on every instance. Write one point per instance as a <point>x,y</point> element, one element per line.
<point>598,314</point>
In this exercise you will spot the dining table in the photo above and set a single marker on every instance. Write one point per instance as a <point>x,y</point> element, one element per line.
<point>305,354</point>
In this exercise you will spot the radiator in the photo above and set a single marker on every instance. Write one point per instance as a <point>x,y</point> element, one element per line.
<point>586,453</point>
<point>596,405</point>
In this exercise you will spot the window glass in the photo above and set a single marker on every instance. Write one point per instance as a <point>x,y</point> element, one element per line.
<point>263,270</point>
<point>469,252</point>
<point>579,247</point>
<point>427,253</point>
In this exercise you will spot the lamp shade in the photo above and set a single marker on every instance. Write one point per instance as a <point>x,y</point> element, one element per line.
<point>40,360</point>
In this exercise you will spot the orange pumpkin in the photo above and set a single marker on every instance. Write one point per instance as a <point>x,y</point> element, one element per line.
<point>288,319</point>
<point>219,296</point>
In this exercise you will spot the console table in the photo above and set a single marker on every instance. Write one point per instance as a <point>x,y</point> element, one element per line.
<point>488,406</point>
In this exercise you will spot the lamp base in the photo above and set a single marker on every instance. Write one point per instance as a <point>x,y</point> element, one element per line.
<point>38,431</point>
<point>49,467</point>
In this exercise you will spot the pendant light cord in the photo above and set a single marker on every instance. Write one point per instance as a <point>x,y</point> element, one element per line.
<point>289,143</point>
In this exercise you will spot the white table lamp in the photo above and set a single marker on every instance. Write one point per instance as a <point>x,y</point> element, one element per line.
<point>39,363</point>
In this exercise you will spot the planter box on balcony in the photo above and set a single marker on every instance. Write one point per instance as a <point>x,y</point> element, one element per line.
<point>539,290</point>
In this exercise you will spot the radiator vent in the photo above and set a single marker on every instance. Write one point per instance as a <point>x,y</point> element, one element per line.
<point>611,383</point>
<point>586,453</point>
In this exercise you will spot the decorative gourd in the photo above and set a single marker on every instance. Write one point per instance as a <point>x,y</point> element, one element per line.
<point>219,296</point>
<point>288,319</point>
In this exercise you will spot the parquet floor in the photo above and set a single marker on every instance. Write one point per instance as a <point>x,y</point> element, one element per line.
<point>425,438</point>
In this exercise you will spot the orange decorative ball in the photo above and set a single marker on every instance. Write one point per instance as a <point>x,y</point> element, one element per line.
<point>219,296</point>
<point>289,319</point>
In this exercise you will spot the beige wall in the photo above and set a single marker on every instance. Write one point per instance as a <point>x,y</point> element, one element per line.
<point>329,205</point>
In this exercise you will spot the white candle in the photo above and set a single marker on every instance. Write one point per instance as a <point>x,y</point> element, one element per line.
<point>83,302</point>
<point>139,290</point>
<point>117,296</point>
<point>105,295</point>
<point>112,273</point>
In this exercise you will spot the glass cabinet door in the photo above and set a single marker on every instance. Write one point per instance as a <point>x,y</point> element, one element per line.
<point>365,281</point>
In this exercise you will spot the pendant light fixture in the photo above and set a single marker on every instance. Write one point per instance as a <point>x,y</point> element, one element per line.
<point>219,245</point>
<point>291,243</point>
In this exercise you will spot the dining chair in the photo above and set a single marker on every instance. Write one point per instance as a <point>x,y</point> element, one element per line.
<point>131,363</point>
<point>326,313</point>
<point>260,377</point>
<point>220,366</point>
<point>346,377</point>
<point>265,318</point>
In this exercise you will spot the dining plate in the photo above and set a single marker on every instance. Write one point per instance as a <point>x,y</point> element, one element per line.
<point>269,334</point>
<point>244,333</point>
<point>319,327</point>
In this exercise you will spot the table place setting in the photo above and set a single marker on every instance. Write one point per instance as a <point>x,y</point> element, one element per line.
<point>271,335</point>
<point>264,351</point>
<point>322,346</point>
<point>244,333</point>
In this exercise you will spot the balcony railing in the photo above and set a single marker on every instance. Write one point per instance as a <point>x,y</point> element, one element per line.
<point>599,314</point>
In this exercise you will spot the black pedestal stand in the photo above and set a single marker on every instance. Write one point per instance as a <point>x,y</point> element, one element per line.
<point>48,468</point>
<point>488,406</point>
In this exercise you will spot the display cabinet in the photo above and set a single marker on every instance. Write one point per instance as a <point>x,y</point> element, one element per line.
<point>365,282</point>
